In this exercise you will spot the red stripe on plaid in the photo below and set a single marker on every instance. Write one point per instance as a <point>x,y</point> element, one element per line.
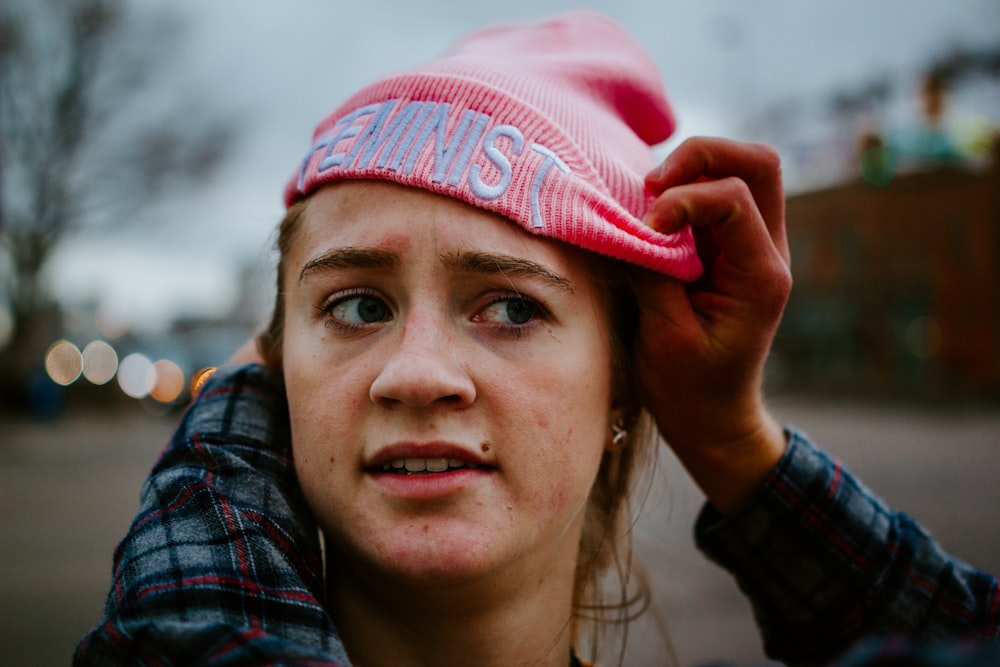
<point>813,516</point>
<point>234,583</point>
<point>992,628</point>
<point>181,500</point>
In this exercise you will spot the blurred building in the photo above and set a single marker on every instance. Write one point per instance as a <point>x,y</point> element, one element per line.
<point>897,281</point>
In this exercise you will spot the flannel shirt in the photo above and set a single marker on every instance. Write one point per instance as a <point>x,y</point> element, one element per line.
<point>826,563</point>
<point>222,563</point>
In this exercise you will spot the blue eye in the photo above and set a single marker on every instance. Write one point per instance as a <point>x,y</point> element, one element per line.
<point>511,311</point>
<point>360,310</point>
<point>519,311</point>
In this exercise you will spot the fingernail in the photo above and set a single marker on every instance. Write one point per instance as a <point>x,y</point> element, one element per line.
<point>657,172</point>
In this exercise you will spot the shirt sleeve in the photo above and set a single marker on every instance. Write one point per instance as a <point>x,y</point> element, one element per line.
<point>826,563</point>
<point>222,564</point>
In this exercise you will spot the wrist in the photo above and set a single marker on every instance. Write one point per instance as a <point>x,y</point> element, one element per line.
<point>731,458</point>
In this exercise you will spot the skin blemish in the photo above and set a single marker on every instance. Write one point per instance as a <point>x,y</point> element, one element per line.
<point>426,528</point>
<point>485,446</point>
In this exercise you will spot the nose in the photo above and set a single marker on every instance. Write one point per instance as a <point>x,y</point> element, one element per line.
<point>423,369</point>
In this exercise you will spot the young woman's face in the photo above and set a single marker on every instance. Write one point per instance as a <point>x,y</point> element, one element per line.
<point>448,380</point>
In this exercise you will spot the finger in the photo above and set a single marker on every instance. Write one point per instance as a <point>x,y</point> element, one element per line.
<point>708,158</point>
<point>728,210</point>
<point>664,298</point>
<point>248,353</point>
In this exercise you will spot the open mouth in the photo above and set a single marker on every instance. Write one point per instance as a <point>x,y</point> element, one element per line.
<point>412,466</point>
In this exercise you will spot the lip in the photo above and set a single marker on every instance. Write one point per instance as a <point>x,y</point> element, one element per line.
<point>430,450</point>
<point>427,486</point>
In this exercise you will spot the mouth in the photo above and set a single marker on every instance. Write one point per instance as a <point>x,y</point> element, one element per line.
<point>425,466</point>
<point>427,471</point>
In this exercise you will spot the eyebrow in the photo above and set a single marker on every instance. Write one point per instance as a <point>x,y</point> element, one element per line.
<point>489,263</point>
<point>471,261</point>
<point>350,257</point>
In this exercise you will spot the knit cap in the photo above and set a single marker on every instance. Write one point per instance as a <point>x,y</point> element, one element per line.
<point>548,123</point>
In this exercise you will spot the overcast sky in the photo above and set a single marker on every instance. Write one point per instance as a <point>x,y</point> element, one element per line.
<point>279,66</point>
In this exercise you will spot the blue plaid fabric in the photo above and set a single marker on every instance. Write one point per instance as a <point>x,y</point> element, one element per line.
<point>826,563</point>
<point>222,565</point>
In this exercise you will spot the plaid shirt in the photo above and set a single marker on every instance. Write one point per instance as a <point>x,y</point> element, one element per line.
<point>222,564</point>
<point>825,563</point>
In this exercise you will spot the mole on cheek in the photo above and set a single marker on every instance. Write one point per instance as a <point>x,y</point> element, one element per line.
<point>485,446</point>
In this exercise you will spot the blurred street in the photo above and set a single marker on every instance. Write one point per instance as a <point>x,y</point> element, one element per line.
<point>69,489</point>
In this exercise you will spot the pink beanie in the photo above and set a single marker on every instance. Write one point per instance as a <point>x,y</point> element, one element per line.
<point>546,123</point>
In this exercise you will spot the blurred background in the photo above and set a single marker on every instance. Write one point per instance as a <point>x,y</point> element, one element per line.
<point>145,146</point>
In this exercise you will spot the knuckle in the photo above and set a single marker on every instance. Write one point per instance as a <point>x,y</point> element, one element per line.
<point>768,157</point>
<point>782,285</point>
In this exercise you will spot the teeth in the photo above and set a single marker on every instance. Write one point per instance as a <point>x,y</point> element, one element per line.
<point>416,466</point>
<point>437,465</point>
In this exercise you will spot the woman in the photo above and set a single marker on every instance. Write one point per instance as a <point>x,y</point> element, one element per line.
<point>480,293</point>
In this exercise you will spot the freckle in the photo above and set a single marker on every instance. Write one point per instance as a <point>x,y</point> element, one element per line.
<point>426,528</point>
<point>485,446</point>
<point>509,508</point>
<point>333,460</point>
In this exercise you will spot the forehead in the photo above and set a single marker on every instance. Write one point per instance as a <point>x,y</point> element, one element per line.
<point>396,218</point>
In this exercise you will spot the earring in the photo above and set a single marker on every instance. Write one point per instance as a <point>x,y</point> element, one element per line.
<point>618,433</point>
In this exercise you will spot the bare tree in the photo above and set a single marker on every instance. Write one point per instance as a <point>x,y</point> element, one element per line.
<point>82,143</point>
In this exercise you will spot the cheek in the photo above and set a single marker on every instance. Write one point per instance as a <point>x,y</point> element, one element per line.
<point>319,383</point>
<point>313,442</point>
<point>324,399</point>
<point>568,461</point>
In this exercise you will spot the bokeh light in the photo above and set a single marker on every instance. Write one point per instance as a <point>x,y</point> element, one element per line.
<point>100,362</point>
<point>134,375</point>
<point>63,362</point>
<point>112,322</point>
<point>200,378</point>
<point>923,337</point>
<point>166,380</point>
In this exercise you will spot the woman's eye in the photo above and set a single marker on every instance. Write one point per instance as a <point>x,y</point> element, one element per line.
<point>360,310</point>
<point>511,310</point>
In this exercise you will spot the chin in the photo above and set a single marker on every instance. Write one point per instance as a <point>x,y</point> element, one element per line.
<point>425,554</point>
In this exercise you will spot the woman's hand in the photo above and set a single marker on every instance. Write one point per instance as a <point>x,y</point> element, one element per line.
<point>701,348</point>
<point>248,353</point>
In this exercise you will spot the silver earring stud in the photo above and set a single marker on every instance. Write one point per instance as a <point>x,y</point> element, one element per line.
<point>619,433</point>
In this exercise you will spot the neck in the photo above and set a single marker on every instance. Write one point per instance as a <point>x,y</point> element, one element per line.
<point>500,619</point>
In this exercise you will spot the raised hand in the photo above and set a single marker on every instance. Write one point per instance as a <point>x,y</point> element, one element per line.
<point>701,347</point>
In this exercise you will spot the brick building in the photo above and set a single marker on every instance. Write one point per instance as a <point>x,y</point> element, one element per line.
<point>897,287</point>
